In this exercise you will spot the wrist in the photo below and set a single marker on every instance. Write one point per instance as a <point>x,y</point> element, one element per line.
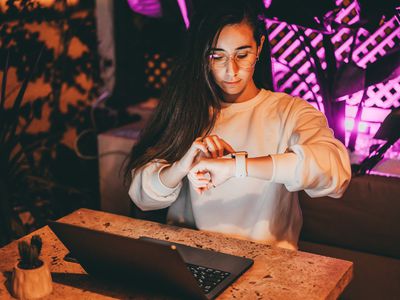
<point>261,167</point>
<point>171,175</point>
<point>179,169</point>
<point>231,167</point>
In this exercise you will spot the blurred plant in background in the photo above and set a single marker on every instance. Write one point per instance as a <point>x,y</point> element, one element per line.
<point>51,179</point>
<point>16,165</point>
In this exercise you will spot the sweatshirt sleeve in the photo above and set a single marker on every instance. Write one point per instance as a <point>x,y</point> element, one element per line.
<point>148,192</point>
<point>315,161</point>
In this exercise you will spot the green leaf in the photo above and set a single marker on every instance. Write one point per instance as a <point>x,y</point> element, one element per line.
<point>36,242</point>
<point>21,93</point>
<point>3,86</point>
<point>37,108</point>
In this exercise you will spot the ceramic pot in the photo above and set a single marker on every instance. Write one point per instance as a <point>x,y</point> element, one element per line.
<point>31,283</point>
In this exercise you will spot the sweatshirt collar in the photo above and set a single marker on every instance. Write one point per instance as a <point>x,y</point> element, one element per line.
<point>227,107</point>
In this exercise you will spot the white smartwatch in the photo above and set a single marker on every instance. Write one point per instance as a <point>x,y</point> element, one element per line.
<point>241,163</point>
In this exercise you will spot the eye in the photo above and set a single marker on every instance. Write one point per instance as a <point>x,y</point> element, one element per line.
<point>217,56</point>
<point>242,55</point>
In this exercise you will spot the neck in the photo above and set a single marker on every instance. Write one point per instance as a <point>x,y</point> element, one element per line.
<point>248,93</point>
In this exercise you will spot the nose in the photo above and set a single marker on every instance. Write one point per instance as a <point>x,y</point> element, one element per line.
<point>231,68</point>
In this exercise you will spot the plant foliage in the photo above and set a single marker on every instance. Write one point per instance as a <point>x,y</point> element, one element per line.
<point>40,173</point>
<point>29,253</point>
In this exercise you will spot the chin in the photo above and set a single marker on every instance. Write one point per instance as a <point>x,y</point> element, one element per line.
<point>232,96</point>
<point>234,90</point>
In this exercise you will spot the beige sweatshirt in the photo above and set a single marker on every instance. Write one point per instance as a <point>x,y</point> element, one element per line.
<point>305,156</point>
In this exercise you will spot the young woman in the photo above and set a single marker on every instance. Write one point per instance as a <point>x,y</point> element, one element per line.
<point>218,102</point>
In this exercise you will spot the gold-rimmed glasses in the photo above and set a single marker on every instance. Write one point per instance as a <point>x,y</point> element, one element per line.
<point>245,59</point>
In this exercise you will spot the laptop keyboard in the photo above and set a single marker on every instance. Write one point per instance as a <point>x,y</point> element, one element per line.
<point>207,278</point>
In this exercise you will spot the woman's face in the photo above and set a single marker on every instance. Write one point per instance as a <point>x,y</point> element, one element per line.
<point>232,62</point>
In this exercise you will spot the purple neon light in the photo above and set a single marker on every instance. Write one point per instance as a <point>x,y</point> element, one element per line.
<point>293,70</point>
<point>153,8</point>
<point>362,126</point>
<point>267,3</point>
<point>149,8</point>
<point>184,12</point>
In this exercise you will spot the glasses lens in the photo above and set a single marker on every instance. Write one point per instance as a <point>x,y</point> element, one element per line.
<point>244,59</point>
<point>218,60</point>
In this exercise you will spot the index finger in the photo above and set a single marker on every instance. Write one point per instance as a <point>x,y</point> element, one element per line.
<point>219,144</point>
<point>227,147</point>
<point>200,146</point>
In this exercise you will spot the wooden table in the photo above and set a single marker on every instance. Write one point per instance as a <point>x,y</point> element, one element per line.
<point>276,273</point>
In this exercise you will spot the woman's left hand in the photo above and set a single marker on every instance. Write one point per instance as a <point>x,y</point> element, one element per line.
<point>211,172</point>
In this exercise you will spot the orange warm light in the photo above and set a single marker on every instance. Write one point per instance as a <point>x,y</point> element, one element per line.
<point>45,3</point>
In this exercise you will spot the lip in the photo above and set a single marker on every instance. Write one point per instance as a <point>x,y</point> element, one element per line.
<point>231,82</point>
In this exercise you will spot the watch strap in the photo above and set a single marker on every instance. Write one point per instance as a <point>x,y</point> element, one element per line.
<point>241,164</point>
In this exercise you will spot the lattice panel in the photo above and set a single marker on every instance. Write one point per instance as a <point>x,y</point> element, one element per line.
<point>294,73</point>
<point>292,65</point>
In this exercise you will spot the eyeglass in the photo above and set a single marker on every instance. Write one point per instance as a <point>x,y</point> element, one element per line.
<point>245,59</point>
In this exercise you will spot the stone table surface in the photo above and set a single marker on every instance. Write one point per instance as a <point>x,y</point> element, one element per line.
<point>276,274</point>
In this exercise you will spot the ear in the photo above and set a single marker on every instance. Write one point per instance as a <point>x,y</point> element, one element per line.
<point>260,46</point>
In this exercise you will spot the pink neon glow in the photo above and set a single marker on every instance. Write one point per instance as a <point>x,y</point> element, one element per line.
<point>153,9</point>
<point>267,3</point>
<point>183,8</point>
<point>149,8</point>
<point>294,73</point>
<point>369,114</point>
<point>362,126</point>
<point>343,13</point>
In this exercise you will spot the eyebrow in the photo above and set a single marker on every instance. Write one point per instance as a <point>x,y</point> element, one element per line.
<point>239,48</point>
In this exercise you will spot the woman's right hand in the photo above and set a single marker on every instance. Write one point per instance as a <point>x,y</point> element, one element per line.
<point>186,162</point>
<point>210,146</point>
<point>215,148</point>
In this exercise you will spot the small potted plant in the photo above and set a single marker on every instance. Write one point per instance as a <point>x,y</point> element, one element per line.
<point>31,277</point>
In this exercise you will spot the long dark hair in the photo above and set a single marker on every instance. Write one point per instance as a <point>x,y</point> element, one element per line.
<point>191,101</point>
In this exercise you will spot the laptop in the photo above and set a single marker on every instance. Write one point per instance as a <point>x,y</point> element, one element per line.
<point>159,267</point>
